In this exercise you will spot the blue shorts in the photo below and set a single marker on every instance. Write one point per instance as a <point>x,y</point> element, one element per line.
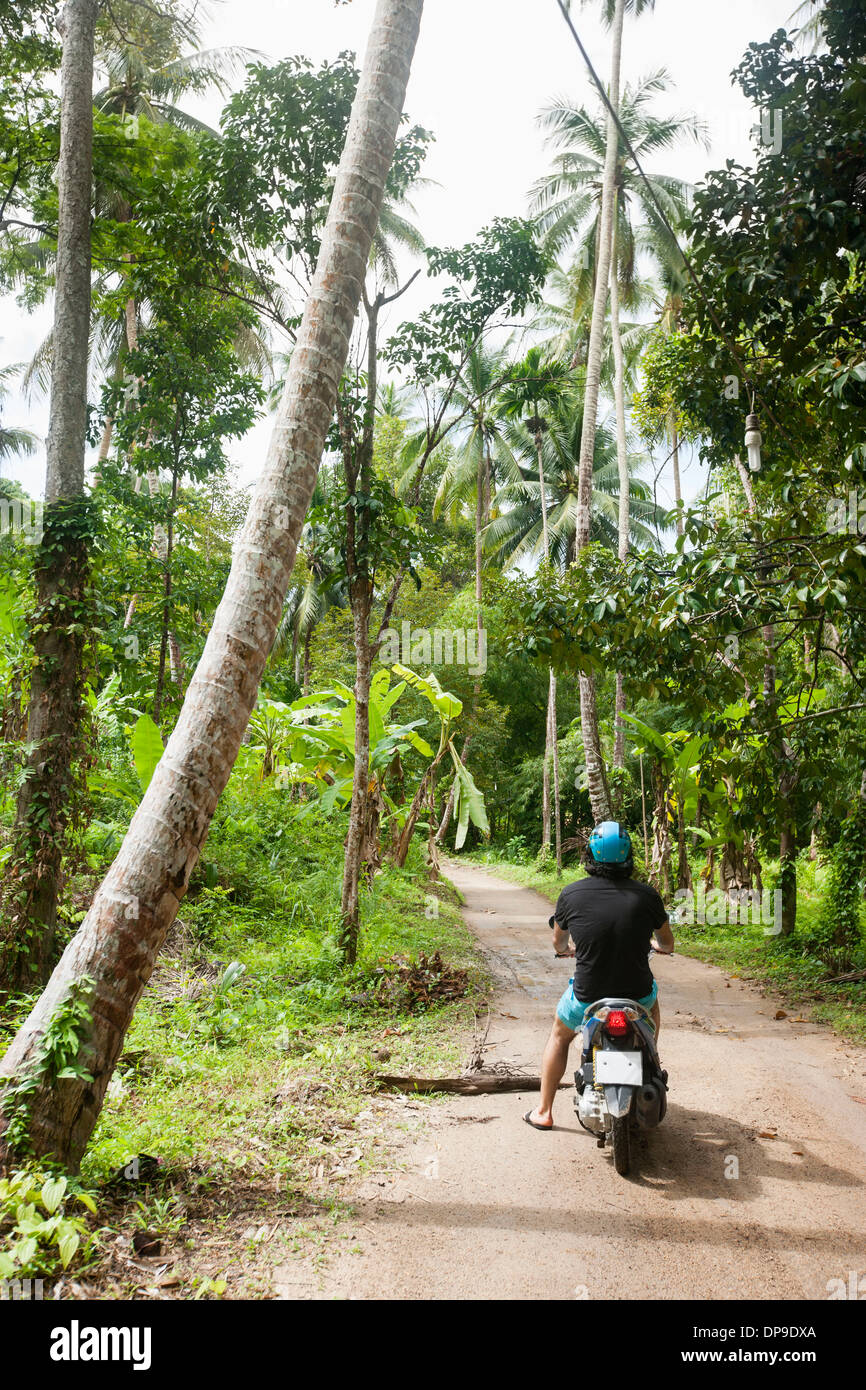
<point>571,1011</point>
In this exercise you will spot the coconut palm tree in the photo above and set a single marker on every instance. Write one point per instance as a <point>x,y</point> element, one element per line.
<point>567,203</point>
<point>516,534</point>
<point>808,17</point>
<point>146,72</point>
<point>13,439</point>
<point>54,710</point>
<point>536,385</point>
<point>469,478</point>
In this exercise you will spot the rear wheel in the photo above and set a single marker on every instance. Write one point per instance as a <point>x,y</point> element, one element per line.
<point>620,1140</point>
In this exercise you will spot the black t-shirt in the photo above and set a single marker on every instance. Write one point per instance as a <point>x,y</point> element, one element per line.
<point>611,922</point>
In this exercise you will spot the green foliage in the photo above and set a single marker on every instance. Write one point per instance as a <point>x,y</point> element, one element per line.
<point>57,1059</point>
<point>282,138</point>
<point>502,271</point>
<point>39,1236</point>
<point>840,926</point>
<point>147,749</point>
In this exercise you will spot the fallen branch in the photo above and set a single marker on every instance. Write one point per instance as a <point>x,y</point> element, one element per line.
<point>851,978</point>
<point>478,1084</point>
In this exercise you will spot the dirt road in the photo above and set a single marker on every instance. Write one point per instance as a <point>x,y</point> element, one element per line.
<point>488,1208</point>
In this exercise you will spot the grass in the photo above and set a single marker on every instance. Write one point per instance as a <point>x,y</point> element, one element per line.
<point>797,968</point>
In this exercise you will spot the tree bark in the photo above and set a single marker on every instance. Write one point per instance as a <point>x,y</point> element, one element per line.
<point>350,907</point>
<point>545,778</point>
<point>358,470</point>
<point>550,723</point>
<point>622,465</point>
<point>596,775</point>
<point>557,807</point>
<point>599,305</point>
<point>61,562</point>
<point>117,944</point>
<point>675,461</point>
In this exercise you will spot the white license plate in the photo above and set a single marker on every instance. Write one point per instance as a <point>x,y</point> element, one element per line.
<point>618,1068</point>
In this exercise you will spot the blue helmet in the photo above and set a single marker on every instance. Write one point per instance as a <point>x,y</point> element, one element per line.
<point>610,843</point>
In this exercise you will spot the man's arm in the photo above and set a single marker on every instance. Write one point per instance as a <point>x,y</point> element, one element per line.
<point>561,939</point>
<point>663,939</point>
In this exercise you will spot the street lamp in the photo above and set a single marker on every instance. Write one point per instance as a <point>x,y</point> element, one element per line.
<point>754,440</point>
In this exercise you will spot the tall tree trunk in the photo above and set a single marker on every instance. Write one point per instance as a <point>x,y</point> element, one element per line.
<point>358,469</point>
<point>788,772</point>
<point>675,461</point>
<point>557,806</point>
<point>160,539</point>
<point>596,773</point>
<point>622,466</point>
<point>61,563</point>
<point>551,751</point>
<point>599,793</point>
<point>545,773</point>
<point>110,960</point>
<point>166,635</point>
<point>308,661</point>
<point>788,877</point>
<point>599,303</point>
<point>350,906</point>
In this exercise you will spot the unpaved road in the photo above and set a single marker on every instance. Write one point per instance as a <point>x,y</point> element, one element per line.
<point>488,1208</point>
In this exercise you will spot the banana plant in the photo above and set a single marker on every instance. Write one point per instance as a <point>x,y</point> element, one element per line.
<point>468,800</point>
<point>145,743</point>
<point>676,758</point>
<point>311,742</point>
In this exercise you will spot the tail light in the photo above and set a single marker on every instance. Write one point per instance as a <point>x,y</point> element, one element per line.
<point>617,1024</point>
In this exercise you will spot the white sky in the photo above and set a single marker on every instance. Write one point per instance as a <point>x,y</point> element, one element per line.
<point>483,70</point>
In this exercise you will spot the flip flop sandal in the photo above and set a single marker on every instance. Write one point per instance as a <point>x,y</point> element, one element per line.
<point>530,1121</point>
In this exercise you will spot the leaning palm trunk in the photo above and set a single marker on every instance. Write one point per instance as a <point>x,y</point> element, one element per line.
<point>599,793</point>
<point>109,962</point>
<point>622,464</point>
<point>61,561</point>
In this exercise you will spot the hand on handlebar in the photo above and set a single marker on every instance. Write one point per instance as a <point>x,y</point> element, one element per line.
<point>563,955</point>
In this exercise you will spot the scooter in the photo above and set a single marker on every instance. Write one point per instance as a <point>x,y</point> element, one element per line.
<point>620,1085</point>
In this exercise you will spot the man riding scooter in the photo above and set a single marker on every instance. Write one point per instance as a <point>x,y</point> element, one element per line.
<point>609,922</point>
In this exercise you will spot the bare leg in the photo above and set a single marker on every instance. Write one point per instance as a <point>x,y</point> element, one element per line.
<point>553,1066</point>
<point>657,1019</point>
